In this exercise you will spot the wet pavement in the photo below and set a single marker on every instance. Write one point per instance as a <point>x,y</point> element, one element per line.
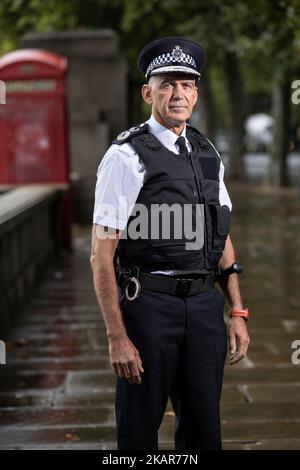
<point>57,388</point>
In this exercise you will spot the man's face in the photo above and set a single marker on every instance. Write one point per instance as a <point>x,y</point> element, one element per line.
<point>172,97</point>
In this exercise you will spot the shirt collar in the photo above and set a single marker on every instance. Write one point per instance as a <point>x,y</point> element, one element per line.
<point>164,135</point>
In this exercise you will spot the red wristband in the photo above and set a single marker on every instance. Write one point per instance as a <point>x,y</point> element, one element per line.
<point>244,313</point>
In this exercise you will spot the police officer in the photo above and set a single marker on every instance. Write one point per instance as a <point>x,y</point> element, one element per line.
<point>163,313</point>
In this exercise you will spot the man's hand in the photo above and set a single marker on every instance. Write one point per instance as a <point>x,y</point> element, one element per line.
<point>125,358</point>
<point>238,339</point>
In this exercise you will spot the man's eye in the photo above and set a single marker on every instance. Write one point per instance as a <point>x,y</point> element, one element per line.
<point>188,85</point>
<point>166,85</point>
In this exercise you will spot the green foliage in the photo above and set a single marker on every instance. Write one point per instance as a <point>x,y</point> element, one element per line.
<point>20,16</point>
<point>264,35</point>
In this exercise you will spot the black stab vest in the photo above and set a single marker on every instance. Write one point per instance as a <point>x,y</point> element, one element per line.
<point>173,179</point>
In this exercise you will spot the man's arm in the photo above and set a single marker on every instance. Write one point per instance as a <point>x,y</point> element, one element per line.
<point>238,336</point>
<point>124,357</point>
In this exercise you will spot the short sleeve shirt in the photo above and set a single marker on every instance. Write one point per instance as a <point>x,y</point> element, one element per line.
<point>121,174</point>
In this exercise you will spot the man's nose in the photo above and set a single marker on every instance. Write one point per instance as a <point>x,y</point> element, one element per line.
<point>178,92</point>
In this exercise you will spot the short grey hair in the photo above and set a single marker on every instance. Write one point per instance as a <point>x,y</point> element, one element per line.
<point>153,79</point>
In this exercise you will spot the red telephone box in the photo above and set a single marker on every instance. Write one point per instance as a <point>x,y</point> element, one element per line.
<point>33,122</point>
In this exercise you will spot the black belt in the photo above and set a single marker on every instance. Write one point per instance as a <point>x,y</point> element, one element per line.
<point>170,285</point>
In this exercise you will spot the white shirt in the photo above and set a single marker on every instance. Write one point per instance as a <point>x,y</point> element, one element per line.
<point>121,173</point>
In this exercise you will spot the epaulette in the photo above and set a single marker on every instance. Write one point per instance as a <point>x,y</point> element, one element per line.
<point>132,132</point>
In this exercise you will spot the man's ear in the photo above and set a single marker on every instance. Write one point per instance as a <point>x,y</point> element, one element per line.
<point>147,93</point>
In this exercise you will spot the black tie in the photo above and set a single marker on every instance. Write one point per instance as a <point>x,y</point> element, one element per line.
<point>182,147</point>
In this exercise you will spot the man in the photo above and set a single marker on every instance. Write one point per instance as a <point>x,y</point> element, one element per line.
<point>165,326</point>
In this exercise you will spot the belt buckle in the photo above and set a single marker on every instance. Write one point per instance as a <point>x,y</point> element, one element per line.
<point>183,287</point>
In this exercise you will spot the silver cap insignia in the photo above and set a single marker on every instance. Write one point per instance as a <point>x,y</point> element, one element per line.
<point>177,53</point>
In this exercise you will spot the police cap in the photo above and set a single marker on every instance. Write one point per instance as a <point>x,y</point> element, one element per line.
<point>173,54</point>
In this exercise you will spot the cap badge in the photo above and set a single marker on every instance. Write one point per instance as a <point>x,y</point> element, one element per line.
<point>177,53</point>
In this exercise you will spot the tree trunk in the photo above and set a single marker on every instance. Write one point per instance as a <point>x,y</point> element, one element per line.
<point>235,117</point>
<point>279,149</point>
<point>207,122</point>
<point>135,100</point>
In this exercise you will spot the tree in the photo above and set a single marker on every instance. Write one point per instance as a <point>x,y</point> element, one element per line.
<point>20,16</point>
<point>255,46</point>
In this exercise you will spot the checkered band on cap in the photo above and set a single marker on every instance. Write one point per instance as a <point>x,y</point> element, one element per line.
<point>172,57</point>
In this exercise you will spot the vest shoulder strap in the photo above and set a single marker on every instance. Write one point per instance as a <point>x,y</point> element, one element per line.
<point>201,138</point>
<point>126,136</point>
<point>194,130</point>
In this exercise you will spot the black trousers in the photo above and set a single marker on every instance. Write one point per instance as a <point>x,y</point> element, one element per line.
<point>183,345</point>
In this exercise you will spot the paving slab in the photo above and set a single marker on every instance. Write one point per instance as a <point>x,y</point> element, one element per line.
<point>57,389</point>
